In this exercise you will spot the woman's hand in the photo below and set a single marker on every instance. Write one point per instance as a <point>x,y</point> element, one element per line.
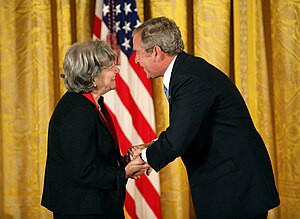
<point>135,168</point>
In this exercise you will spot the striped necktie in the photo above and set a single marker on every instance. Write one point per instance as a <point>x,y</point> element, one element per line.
<point>166,92</point>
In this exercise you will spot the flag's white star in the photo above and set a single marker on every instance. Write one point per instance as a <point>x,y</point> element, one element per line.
<point>126,27</point>
<point>117,26</point>
<point>118,10</point>
<point>127,8</point>
<point>126,43</point>
<point>105,10</point>
<point>138,23</point>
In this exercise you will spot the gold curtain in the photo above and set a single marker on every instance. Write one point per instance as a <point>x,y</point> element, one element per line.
<point>34,38</point>
<point>255,42</point>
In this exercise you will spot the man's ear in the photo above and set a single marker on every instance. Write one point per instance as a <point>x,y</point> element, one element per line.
<point>158,53</point>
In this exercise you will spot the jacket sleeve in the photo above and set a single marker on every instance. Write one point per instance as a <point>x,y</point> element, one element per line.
<point>190,101</point>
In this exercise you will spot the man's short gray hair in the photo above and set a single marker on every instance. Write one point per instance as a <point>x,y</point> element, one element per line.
<point>162,32</point>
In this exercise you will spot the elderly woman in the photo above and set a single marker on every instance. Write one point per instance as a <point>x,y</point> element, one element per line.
<point>85,173</point>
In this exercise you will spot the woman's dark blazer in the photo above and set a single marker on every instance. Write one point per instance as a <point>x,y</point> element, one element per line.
<point>228,166</point>
<point>82,169</point>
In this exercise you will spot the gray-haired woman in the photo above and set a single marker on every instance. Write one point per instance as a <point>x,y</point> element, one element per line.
<point>85,173</point>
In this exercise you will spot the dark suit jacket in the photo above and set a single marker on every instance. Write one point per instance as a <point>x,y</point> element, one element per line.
<point>82,169</point>
<point>228,166</point>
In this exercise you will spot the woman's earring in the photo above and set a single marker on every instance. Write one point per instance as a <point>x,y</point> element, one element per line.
<point>94,84</point>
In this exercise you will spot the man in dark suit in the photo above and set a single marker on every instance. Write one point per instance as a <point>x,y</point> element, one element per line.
<point>228,166</point>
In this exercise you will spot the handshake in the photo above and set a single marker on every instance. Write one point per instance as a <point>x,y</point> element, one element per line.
<point>134,165</point>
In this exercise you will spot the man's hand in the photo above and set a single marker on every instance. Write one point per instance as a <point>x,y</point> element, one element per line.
<point>148,171</point>
<point>134,154</point>
<point>135,168</point>
<point>135,150</point>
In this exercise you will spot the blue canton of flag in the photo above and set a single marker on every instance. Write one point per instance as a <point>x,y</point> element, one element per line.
<point>121,18</point>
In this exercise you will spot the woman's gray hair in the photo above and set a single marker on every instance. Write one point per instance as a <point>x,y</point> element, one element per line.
<point>162,32</point>
<point>83,62</point>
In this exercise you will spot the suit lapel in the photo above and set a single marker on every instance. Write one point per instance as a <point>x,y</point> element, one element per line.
<point>176,69</point>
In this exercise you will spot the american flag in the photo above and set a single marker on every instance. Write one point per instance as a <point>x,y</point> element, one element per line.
<point>131,103</point>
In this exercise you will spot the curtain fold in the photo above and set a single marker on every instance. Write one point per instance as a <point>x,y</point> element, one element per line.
<point>212,32</point>
<point>251,70</point>
<point>255,42</point>
<point>34,38</point>
<point>285,90</point>
<point>25,87</point>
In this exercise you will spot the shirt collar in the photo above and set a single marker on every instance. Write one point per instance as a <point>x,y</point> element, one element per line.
<point>167,74</point>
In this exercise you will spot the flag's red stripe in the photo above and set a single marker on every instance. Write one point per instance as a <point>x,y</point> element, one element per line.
<point>97,26</point>
<point>150,194</point>
<point>146,188</point>
<point>144,185</point>
<point>141,73</point>
<point>130,206</point>
<point>124,143</point>
<point>139,122</point>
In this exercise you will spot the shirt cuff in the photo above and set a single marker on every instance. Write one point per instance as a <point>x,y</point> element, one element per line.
<point>144,156</point>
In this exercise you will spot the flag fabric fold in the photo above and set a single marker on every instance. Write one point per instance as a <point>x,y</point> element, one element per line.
<point>131,103</point>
